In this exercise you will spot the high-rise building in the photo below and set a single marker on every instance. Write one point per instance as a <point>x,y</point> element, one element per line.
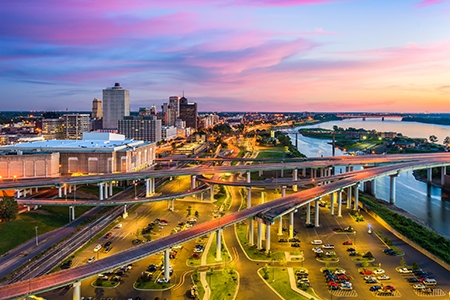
<point>97,110</point>
<point>188,112</point>
<point>74,125</point>
<point>116,105</point>
<point>169,114</point>
<point>146,128</point>
<point>52,128</point>
<point>174,102</point>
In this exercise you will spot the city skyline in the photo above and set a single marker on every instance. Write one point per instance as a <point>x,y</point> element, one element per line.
<point>284,56</point>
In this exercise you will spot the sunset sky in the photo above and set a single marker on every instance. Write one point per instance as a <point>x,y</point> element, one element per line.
<point>228,55</point>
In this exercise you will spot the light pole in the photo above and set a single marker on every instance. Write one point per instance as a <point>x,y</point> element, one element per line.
<point>37,242</point>
<point>354,233</point>
<point>273,269</point>
<point>135,196</point>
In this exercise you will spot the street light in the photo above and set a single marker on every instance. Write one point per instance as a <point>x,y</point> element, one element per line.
<point>273,269</point>
<point>354,233</point>
<point>37,242</point>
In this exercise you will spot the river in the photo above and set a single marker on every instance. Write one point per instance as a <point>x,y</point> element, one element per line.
<point>434,207</point>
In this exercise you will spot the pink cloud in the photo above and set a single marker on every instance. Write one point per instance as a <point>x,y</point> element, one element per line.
<point>425,3</point>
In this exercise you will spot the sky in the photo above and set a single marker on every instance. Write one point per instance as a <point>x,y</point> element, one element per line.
<point>228,55</point>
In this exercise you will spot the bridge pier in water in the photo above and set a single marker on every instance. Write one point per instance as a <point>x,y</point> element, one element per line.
<point>392,186</point>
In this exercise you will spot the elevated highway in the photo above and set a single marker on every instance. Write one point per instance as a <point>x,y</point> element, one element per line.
<point>269,209</point>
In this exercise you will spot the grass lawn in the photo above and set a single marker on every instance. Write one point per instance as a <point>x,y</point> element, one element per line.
<point>152,284</point>
<point>211,255</point>
<point>278,279</point>
<point>223,283</point>
<point>251,251</point>
<point>22,229</point>
<point>271,154</point>
<point>105,283</point>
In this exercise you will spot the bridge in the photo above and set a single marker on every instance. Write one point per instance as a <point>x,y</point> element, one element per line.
<point>265,213</point>
<point>365,116</point>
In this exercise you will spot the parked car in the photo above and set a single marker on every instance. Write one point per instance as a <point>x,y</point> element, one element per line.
<point>91,259</point>
<point>412,279</point>
<point>383,277</point>
<point>163,280</point>
<point>107,244</point>
<point>152,268</point>
<point>418,286</point>
<point>378,272</point>
<point>294,240</point>
<point>310,225</point>
<point>375,288</point>
<point>328,246</point>
<point>295,245</point>
<point>388,288</point>
<point>98,247</point>
<point>316,242</point>
<point>136,241</point>
<point>108,235</point>
<point>118,226</point>
<point>366,272</point>
<point>349,249</point>
<point>347,243</point>
<point>107,249</point>
<point>404,270</point>
<point>282,240</point>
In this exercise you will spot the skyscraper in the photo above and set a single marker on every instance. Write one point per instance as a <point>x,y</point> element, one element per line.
<point>97,110</point>
<point>116,105</point>
<point>145,128</point>
<point>188,112</point>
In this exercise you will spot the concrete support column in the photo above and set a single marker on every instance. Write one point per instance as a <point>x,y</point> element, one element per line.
<point>267,238</point>
<point>100,189</point>
<point>17,193</point>
<point>349,197</point>
<point>429,175</point>
<point>291,225</point>
<point>218,245</point>
<point>392,187</point>
<point>148,187</point>
<point>356,196</point>
<point>332,203</point>
<point>125,210</point>
<point>321,172</point>
<point>193,181</point>
<point>316,204</point>
<point>72,211</point>
<point>60,192</point>
<point>24,192</point>
<point>340,203</point>
<point>249,197</point>
<point>308,213</point>
<point>110,189</point>
<point>211,193</point>
<point>166,263</point>
<point>65,189</point>
<point>70,188</point>
<point>262,200</point>
<point>304,172</point>
<point>260,233</point>
<point>313,173</point>
<point>251,233</point>
<point>280,226</point>
<point>106,190</point>
<point>173,204</point>
<point>76,294</point>
<point>443,173</point>
<point>374,188</point>
<point>248,177</point>
<point>283,191</point>
<point>294,178</point>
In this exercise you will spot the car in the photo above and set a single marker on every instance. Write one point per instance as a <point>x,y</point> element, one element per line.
<point>98,247</point>
<point>295,245</point>
<point>366,272</point>
<point>339,272</point>
<point>383,277</point>
<point>66,265</point>
<point>177,247</point>
<point>388,288</point>
<point>412,279</point>
<point>196,255</point>
<point>310,225</point>
<point>375,288</point>
<point>404,270</point>
<point>107,244</point>
<point>418,286</point>
<point>163,280</point>
<point>103,277</point>
<point>107,249</point>
<point>173,254</point>
<point>328,246</point>
<point>91,259</point>
<point>127,268</point>
<point>294,240</point>
<point>333,283</point>
<point>316,242</point>
<point>347,243</point>
<point>108,235</point>
<point>116,278</point>
<point>353,253</point>
<point>163,222</point>
<point>322,203</point>
<point>198,250</point>
<point>282,241</point>
<point>136,241</point>
<point>350,249</point>
<point>192,220</point>
<point>429,282</point>
<point>378,272</point>
<point>346,287</point>
<point>317,250</point>
<point>152,268</point>
<point>118,226</point>
<point>371,280</point>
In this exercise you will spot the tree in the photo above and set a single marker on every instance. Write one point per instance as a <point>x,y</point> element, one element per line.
<point>8,209</point>
<point>433,138</point>
<point>447,140</point>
